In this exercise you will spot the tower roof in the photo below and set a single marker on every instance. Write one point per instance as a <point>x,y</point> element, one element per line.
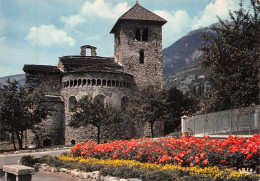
<point>139,13</point>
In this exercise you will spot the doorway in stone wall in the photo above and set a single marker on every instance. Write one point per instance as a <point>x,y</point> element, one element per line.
<point>46,142</point>
<point>73,142</point>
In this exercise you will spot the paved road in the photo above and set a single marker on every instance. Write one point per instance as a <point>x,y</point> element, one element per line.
<point>14,158</point>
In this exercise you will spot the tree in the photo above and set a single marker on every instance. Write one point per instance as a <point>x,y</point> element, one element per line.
<point>94,112</point>
<point>20,110</point>
<point>168,106</point>
<point>178,105</point>
<point>148,105</point>
<point>231,61</point>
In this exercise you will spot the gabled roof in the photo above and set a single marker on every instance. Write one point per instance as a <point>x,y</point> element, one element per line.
<point>139,13</point>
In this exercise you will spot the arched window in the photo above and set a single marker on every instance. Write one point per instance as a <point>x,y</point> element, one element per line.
<point>68,83</point>
<point>93,82</point>
<point>137,34</point>
<point>75,83</point>
<point>109,83</point>
<point>117,83</point>
<point>141,58</point>
<point>100,99</point>
<point>124,103</point>
<point>98,82</point>
<point>141,34</point>
<point>104,82</point>
<point>89,82</point>
<point>113,83</point>
<point>71,83</point>
<point>79,82</point>
<point>84,82</point>
<point>145,35</point>
<point>72,104</point>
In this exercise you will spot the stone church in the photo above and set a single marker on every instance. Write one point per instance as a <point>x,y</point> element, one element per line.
<point>137,63</point>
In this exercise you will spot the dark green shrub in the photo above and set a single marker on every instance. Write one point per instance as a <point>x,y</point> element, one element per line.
<point>162,175</point>
<point>55,162</point>
<point>135,173</point>
<point>122,172</point>
<point>107,171</point>
<point>46,159</point>
<point>85,167</point>
<point>29,160</point>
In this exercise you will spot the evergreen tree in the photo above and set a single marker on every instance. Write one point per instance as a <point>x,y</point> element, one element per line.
<point>231,61</point>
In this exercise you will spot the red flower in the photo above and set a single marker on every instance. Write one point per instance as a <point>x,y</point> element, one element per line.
<point>115,156</point>
<point>205,161</point>
<point>138,157</point>
<point>223,161</point>
<point>248,156</point>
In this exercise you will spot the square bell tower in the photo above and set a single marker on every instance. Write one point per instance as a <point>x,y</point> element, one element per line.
<point>138,45</point>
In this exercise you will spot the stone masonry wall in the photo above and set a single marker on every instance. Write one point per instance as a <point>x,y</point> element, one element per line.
<point>49,83</point>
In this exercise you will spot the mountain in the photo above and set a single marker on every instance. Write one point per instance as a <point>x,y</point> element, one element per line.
<point>180,62</point>
<point>19,77</point>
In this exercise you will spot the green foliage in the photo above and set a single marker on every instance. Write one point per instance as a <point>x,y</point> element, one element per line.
<point>29,160</point>
<point>179,105</point>
<point>94,112</point>
<point>231,61</point>
<point>168,106</point>
<point>20,110</point>
<point>148,105</point>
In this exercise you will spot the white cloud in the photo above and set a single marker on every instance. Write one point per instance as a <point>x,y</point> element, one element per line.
<point>72,20</point>
<point>218,8</point>
<point>178,22</point>
<point>104,10</point>
<point>48,35</point>
<point>97,9</point>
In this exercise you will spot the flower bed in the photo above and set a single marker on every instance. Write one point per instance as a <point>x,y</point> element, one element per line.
<point>187,151</point>
<point>149,171</point>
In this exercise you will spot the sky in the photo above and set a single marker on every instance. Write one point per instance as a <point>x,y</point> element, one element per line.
<point>41,31</point>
